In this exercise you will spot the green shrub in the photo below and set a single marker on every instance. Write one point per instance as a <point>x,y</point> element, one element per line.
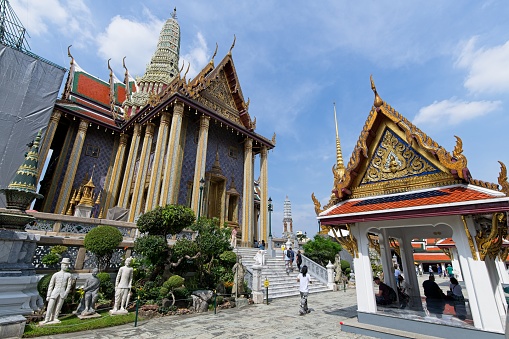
<point>42,285</point>
<point>163,291</point>
<point>344,265</point>
<point>102,241</point>
<point>175,281</point>
<point>107,288</point>
<point>53,257</point>
<point>181,293</point>
<point>154,248</point>
<point>228,258</point>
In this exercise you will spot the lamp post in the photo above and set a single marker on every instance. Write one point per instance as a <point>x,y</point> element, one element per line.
<point>270,249</point>
<point>202,184</point>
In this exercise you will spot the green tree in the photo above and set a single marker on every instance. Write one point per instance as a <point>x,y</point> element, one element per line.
<point>102,241</point>
<point>321,249</point>
<point>171,219</point>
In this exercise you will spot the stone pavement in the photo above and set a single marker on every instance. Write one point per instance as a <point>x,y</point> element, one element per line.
<point>279,319</point>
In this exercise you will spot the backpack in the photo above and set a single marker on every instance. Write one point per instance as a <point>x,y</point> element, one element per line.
<point>289,254</point>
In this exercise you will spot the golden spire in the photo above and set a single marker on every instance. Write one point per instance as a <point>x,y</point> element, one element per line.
<point>340,167</point>
<point>378,101</point>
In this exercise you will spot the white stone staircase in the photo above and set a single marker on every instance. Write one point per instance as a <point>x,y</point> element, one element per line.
<point>281,284</point>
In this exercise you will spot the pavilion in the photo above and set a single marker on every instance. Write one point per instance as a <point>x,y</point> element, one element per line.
<point>400,185</point>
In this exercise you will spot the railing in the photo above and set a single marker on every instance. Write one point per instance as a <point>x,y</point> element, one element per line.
<point>317,270</point>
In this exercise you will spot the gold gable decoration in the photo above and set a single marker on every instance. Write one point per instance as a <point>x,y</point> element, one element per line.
<point>456,162</point>
<point>347,241</point>
<point>393,159</point>
<point>490,236</point>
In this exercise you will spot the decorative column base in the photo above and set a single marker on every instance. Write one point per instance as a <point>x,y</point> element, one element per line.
<point>12,326</point>
<point>257,284</point>
<point>270,250</point>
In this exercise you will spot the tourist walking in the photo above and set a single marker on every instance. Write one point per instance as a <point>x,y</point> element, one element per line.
<point>286,258</point>
<point>299,259</point>
<point>304,280</point>
<point>450,271</point>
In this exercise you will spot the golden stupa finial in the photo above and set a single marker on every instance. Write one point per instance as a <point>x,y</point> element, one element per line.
<point>339,155</point>
<point>378,101</point>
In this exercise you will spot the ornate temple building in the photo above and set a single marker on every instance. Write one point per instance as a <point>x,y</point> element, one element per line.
<point>399,186</point>
<point>121,148</point>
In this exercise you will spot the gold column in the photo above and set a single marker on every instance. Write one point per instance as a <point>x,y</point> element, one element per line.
<point>141,176</point>
<point>171,155</point>
<point>72,166</point>
<point>57,173</point>
<point>264,193</point>
<point>48,139</point>
<point>201,159</point>
<point>113,183</point>
<point>129,168</point>
<point>157,166</point>
<point>247,192</point>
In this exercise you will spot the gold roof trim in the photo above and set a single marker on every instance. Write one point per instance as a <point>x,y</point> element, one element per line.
<point>457,161</point>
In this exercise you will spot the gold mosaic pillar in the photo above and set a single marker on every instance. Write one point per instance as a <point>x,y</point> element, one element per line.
<point>248,192</point>
<point>72,166</point>
<point>201,160</point>
<point>141,176</point>
<point>116,173</point>
<point>50,195</point>
<point>129,169</point>
<point>171,154</point>
<point>264,192</point>
<point>157,166</point>
<point>48,139</point>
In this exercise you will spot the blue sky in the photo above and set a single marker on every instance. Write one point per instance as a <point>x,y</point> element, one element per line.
<point>442,64</point>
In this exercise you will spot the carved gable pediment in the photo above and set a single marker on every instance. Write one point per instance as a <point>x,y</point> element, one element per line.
<point>219,98</point>
<point>394,159</point>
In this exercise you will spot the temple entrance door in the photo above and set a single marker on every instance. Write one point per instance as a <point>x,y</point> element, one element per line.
<point>215,198</point>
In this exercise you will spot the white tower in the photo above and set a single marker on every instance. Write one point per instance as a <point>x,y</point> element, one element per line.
<point>287,217</point>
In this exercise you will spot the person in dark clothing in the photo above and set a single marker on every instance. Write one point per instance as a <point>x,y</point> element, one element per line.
<point>299,259</point>
<point>385,295</point>
<point>435,297</point>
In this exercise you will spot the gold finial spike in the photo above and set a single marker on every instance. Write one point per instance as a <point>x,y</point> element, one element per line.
<point>378,101</point>
<point>339,155</point>
<point>98,199</point>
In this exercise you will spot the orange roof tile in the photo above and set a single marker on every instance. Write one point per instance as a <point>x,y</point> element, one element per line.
<point>431,257</point>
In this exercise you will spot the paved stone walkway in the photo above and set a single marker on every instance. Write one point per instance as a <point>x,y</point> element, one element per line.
<point>279,319</point>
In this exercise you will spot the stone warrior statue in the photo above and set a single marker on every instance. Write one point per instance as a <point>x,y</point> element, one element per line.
<point>58,289</point>
<point>238,278</point>
<point>91,289</point>
<point>123,288</point>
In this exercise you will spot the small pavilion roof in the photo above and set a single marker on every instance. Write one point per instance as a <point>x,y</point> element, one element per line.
<point>449,200</point>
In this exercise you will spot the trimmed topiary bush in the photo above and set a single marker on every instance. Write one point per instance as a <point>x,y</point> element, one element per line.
<point>175,281</point>
<point>102,241</point>
<point>106,288</point>
<point>42,285</point>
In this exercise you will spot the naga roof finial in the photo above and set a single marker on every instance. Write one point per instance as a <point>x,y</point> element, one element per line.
<point>378,101</point>
<point>109,67</point>
<point>233,44</point>
<point>69,54</point>
<point>213,56</point>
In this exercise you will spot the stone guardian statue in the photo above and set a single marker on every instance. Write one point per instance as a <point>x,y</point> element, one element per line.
<point>239,270</point>
<point>58,289</point>
<point>86,307</point>
<point>123,288</point>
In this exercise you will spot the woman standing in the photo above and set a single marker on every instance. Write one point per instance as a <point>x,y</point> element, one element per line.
<point>304,279</point>
<point>458,299</point>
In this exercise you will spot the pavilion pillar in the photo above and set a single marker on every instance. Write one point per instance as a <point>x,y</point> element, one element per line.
<point>72,166</point>
<point>248,192</point>
<point>48,139</point>
<point>154,187</point>
<point>168,195</point>
<point>141,175</point>
<point>481,292</point>
<point>264,193</point>
<point>116,173</point>
<point>407,258</point>
<point>386,258</point>
<point>456,264</point>
<point>123,198</point>
<point>366,301</point>
<point>199,167</point>
<point>48,199</point>
<point>502,271</point>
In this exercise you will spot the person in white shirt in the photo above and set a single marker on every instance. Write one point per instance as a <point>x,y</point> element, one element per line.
<point>304,280</point>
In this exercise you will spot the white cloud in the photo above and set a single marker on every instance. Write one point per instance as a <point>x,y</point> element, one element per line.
<point>135,40</point>
<point>453,112</point>
<point>72,17</point>
<point>488,68</point>
<point>197,57</point>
